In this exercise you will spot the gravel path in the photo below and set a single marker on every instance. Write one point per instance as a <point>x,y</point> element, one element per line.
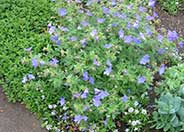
<point>16,118</point>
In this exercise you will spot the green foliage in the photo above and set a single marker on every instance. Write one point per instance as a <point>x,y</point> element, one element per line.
<point>23,25</point>
<point>172,6</point>
<point>170,114</point>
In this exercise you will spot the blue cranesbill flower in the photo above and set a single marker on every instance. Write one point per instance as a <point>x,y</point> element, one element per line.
<point>152,3</point>
<point>35,62</point>
<point>96,101</point>
<point>142,9</point>
<point>91,80</point>
<point>84,23</point>
<point>54,61</point>
<point>128,39</point>
<point>108,70</point>
<point>124,98</point>
<point>160,38</point>
<point>62,12</point>
<point>25,79</point>
<point>55,39</point>
<point>108,63</point>
<point>181,44</point>
<point>107,46</point>
<point>100,20</point>
<point>99,94</point>
<point>145,59</point>
<point>85,76</point>
<point>62,101</point>
<point>162,69</point>
<point>172,35</point>
<point>31,76</point>
<point>106,10</point>
<point>83,42</point>
<point>121,33</point>
<point>161,51</point>
<point>141,79</point>
<point>84,94</point>
<point>95,62</point>
<point>79,118</point>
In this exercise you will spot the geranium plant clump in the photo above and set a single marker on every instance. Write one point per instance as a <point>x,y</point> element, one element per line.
<point>96,74</point>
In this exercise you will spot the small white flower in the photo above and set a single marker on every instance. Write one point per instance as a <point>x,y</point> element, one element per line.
<point>126,130</point>
<point>54,106</point>
<point>144,111</point>
<point>50,106</point>
<point>138,122</point>
<point>135,129</point>
<point>136,111</point>
<point>134,123</point>
<point>136,103</point>
<point>43,96</point>
<point>130,110</point>
<point>49,127</point>
<point>126,113</point>
<point>53,113</point>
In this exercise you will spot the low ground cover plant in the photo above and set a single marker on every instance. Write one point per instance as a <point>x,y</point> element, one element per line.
<point>172,6</point>
<point>22,25</point>
<point>96,71</point>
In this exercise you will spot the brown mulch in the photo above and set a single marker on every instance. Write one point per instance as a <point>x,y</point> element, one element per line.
<point>170,22</point>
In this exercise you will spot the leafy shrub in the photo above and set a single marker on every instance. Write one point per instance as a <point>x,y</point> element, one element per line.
<point>172,6</point>
<point>99,69</point>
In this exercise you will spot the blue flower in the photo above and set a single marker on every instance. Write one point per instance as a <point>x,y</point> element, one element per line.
<point>161,51</point>
<point>96,101</point>
<point>93,33</point>
<point>181,44</point>
<point>108,70</point>
<point>172,35</point>
<point>55,39</point>
<point>64,29</point>
<point>62,101</point>
<point>128,39</point>
<point>142,9</point>
<point>95,62</point>
<point>34,62</point>
<point>160,38</point>
<point>136,40</point>
<point>84,23</point>
<point>100,20</point>
<point>141,79</point>
<point>73,38</point>
<point>24,80</point>
<point>121,33</point>
<point>54,61</point>
<point>83,42</point>
<point>145,59</point>
<point>152,3</point>
<point>62,12</point>
<point>108,63</point>
<point>31,76</point>
<point>124,98</point>
<point>85,76</point>
<point>107,46</point>
<point>105,10</point>
<point>79,118</point>
<point>84,94</point>
<point>91,80</point>
<point>162,69</point>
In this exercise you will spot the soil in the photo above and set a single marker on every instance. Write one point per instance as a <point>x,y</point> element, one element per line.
<point>170,22</point>
<point>16,118</point>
